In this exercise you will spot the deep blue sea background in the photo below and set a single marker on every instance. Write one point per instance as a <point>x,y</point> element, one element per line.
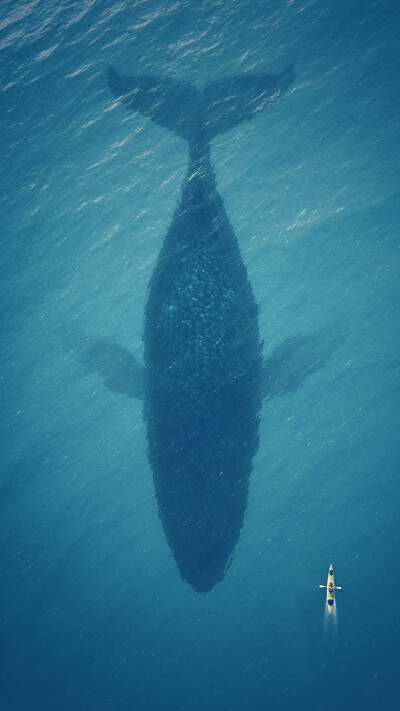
<point>93,612</point>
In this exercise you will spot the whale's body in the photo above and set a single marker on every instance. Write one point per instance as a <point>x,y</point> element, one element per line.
<point>203,381</point>
<point>203,365</point>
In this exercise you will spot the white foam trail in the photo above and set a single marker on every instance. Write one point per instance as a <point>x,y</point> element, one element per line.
<point>331,626</point>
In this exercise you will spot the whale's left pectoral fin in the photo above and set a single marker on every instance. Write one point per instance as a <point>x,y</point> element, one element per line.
<point>294,360</point>
<point>119,369</point>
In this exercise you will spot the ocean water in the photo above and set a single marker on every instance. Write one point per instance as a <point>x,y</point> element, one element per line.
<point>93,611</point>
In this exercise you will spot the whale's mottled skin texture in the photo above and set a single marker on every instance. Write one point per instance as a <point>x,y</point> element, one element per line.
<point>203,381</point>
<point>203,366</point>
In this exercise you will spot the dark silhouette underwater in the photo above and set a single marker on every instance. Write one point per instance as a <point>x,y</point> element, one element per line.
<point>203,378</point>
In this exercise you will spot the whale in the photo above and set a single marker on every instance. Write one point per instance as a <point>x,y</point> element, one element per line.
<point>203,379</point>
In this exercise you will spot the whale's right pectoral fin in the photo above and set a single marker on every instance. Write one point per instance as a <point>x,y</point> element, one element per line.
<point>119,369</point>
<point>294,360</point>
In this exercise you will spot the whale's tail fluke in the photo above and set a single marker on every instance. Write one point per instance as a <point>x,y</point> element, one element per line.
<point>229,102</point>
<point>181,108</point>
<point>167,102</point>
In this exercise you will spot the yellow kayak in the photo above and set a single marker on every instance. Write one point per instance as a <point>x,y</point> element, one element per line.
<point>330,589</point>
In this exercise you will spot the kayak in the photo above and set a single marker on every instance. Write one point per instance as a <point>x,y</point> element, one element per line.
<point>330,589</point>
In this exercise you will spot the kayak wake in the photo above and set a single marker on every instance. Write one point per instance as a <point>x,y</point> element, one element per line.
<point>331,626</point>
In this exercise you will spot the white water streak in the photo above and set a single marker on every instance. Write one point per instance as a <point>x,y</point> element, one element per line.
<point>331,626</point>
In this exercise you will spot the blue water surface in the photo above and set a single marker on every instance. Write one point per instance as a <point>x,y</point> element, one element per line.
<point>93,612</point>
